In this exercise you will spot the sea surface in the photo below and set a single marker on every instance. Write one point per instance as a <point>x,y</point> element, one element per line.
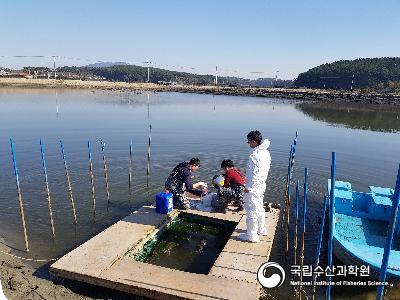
<point>366,141</point>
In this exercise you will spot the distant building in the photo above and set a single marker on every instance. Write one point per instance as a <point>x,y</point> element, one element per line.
<point>167,82</point>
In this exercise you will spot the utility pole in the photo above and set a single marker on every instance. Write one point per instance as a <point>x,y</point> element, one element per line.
<point>216,75</point>
<point>148,70</point>
<point>352,82</point>
<point>54,67</point>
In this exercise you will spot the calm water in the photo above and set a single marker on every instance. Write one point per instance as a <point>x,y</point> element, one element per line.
<point>182,126</point>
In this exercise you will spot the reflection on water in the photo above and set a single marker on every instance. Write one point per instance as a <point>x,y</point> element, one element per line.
<point>177,127</point>
<point>364,116</point>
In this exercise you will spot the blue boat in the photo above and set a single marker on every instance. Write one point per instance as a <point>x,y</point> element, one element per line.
<point>360,227</point>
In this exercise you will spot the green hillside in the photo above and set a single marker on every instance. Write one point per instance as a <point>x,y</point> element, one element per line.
<point>366,73</point>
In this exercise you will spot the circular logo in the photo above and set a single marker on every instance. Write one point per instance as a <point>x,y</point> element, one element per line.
<point>271,275</point>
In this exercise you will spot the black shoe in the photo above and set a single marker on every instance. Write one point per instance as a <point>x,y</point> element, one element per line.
<point>240,208</point>
<point>221,210</point>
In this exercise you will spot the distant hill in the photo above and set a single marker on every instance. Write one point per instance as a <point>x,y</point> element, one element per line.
<point>132,73</point>
<point>106,64</point>
<point>366,73</point>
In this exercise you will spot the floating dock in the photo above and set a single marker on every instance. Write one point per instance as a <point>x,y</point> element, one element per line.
<point>101,261</point>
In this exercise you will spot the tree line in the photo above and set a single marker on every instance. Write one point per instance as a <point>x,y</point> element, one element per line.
<point>364,73</point>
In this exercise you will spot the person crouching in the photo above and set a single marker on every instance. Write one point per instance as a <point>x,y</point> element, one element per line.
<point>180,180</point>
<point>233,189</point>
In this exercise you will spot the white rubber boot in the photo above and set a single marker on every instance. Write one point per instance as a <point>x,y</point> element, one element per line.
<point>251,233</point>
<point>261,224</point>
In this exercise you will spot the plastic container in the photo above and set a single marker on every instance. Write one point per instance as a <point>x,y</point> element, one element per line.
<point>164,203</point>
<point>204,190</point>
<point>218,181</point>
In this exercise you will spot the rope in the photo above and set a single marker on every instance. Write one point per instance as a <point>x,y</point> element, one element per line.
<point>28,259</point>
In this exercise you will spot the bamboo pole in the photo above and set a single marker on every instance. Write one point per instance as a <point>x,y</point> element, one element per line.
<point>389,238</point>
<point>321,233</point>
<point>148,150</point>
<point>294,152</point>
<point>105,171</point>
<point>286,210</point>
<point>47,188</point>
<point>304,225</point>
<point>148,159</point>
<point>92,179</point>
<point>331,214</point>
<point>130,172</point>
<point>286,188</point>
<point>21,206</point>
<point>296,220</point>
<point>71,198</point>
<point>289,176</point>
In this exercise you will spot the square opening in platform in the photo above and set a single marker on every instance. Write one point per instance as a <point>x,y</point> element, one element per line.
<point>188,243</point>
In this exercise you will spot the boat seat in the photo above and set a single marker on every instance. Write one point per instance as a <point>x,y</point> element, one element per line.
<point>377,190</point>
<point>343,196</point>
<point>380,208</point>
<point>343,201</point>
<point>340,185</point>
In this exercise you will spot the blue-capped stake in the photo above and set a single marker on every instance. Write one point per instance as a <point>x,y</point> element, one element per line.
<point>164,203</point>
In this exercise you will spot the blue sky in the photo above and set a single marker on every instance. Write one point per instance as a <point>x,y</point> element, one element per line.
<point>239,37</point>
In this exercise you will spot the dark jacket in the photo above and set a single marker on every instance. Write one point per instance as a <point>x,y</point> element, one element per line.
<point>181,175</point>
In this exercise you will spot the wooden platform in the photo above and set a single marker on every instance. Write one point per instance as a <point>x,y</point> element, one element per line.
<point>100,261</point>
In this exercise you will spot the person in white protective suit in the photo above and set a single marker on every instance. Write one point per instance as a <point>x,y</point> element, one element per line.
<point>256,177</point>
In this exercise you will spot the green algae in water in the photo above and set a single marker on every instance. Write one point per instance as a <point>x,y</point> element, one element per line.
<point>189,243</point>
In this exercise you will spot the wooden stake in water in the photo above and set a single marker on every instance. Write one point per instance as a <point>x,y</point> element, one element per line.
<point>105,171</point>
<point>71,198</point>
<point>287,187</point>
<point>304,224</point>
<point>287,206</point>
<point>331,222</point>
<point>130,171</point>
<point>390,238</point>
<point>148,158</point>
<point>92,179</point>
<point>21,206</point>
<point>294,152</point>
<point>321,233</point>
<point>296,220</point>
<point>47,187</point>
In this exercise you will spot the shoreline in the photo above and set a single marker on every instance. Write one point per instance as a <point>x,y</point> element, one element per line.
<point>301,94</point>
<point>22,279</point>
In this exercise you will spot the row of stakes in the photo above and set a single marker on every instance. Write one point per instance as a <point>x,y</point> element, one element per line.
<point>328,206</point>
<point>286,218</point>
<point>69,186</point>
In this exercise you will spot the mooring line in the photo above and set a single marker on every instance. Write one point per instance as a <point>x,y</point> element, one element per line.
<point>28,259</point>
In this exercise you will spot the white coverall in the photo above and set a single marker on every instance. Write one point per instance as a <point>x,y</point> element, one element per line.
<point>256,177</point>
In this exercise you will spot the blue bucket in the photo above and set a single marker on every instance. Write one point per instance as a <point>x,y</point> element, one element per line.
<point>164,203</point>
